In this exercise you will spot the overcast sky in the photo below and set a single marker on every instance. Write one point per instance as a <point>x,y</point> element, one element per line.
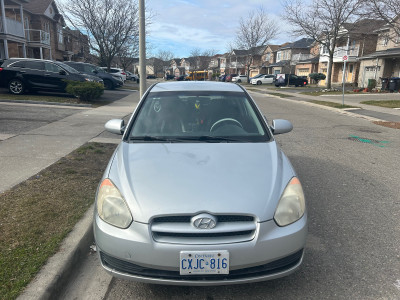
<point>181,25</point>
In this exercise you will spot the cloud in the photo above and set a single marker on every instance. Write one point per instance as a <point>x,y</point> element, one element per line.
<point>205,24</point>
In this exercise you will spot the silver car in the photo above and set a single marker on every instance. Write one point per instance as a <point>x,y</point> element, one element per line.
<point>198,191</point>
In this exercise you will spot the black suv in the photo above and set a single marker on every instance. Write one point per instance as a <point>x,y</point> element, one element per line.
<point>282,80</point>
<point>110,82</point>
<point>21,74</point>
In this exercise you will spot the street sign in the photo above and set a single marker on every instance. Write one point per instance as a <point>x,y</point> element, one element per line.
<point>345,57</point>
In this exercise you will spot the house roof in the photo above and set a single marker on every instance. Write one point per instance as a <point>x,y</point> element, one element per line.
<point>38,6</point>
<point>365,26</point>
<point>275,47</point>
<point>239,52</point>
<point>280,63</point>
<point>313,60</point>
<point>393,52</point>
<point>303,43</point>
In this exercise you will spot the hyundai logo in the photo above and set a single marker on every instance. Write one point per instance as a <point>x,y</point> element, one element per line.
<point>204,221</point>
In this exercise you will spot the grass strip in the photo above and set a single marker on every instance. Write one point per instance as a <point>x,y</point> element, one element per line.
<point>67,99</point>
<point>332,104</point>
<point>280,95</point>
<point>37,214</point>
<point>383,103</point>
<point>319,93</point>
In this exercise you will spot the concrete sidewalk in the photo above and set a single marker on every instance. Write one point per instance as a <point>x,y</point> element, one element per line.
<point>375,113</point>
<point>24,155</point>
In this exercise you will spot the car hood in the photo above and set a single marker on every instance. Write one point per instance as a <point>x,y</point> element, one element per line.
<point>189,178</point>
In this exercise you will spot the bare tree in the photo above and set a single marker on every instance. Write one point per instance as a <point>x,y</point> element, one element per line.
<point>322,20</point>
<point>256,30</point>
<point>200,60</point>
<point>163,61</point>
<point>112,25</point>
<point>386,10</point>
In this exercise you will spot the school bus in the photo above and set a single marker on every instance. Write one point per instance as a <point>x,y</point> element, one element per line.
<point>197,75</point>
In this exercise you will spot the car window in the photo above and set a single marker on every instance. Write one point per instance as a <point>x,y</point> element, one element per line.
<point>68,68</point>
<point>18,64</point>
<point>50,67</point>
<point>88,68</point>
<point>197,114</point>
<point>34,65</point>
<point>76,67</point>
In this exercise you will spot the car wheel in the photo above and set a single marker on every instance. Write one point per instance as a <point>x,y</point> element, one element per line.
<point>16,87</point>
<point>239,80</point>
<point>259,82</point>
<point>108,85</point>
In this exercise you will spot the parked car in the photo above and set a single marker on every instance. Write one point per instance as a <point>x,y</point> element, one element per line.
<point>169,76</point>
<point>198,192</point>
<point>131,76</point>
<point>180,78</point>
<point>151,77</point>
<point>110,82</point>
<point>229,77</point>
<point>116,72</point>
<point>258,75</point>
<point>222,78</point>
<point>22,74</point>
<point>239,78</point>
<point>263,79</point>
<point>282,80</point>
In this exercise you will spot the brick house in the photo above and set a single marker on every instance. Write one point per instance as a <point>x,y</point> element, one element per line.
<point>35,29</point>
<point>384,62</point>
<point>355,40</point>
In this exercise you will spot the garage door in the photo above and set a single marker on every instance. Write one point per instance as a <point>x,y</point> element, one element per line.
<point>369,73</point>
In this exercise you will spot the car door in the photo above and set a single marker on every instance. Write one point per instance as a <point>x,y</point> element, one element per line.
<point>55,76</point>
<point>33,74</point>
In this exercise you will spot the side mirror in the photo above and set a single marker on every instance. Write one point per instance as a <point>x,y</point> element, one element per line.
<point>281,126</point>
<point>62,72</point>
<point>116,126</point>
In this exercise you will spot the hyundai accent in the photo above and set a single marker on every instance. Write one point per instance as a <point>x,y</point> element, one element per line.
<point>198,191</point>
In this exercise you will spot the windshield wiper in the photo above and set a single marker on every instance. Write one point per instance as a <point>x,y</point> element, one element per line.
<point>210,139</point>
<point>148,138</point>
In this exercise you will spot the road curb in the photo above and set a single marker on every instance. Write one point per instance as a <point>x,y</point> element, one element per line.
<point>46,103</point>
<point>55,275</point>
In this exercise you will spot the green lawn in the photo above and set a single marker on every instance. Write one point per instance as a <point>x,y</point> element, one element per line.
<point>332,104</point>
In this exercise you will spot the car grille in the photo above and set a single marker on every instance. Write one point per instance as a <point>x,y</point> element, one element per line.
<point>179,230</point>
<point>270,268</point>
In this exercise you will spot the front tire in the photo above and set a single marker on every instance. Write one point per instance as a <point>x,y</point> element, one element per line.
<point>16,87</point>
<point>239,81</point>
<point>259,82</point>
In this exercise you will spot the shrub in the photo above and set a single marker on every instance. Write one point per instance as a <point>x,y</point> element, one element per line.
<point>317,76</point>
<point>85,90</point>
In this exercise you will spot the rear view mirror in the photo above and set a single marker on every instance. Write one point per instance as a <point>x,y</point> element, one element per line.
<point>115,126</point>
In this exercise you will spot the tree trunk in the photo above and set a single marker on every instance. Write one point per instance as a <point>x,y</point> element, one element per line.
<point>329,72</point>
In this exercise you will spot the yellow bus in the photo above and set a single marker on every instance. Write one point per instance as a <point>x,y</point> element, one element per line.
<point>197,75</point>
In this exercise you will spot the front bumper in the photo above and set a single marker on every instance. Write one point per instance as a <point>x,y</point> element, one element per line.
<point>133,254</point>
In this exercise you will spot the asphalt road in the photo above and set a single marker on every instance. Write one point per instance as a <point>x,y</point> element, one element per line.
<point>351,185</point>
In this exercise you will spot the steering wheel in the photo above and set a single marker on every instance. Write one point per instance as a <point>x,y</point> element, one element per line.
<point>230,120</point>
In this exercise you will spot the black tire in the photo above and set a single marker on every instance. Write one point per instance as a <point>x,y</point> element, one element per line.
<point>239,81</point>
<point>108,85</point>
<point>16,86</point>
<point>259,82</point>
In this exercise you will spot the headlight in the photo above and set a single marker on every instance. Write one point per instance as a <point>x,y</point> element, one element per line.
<point>291,206</point>
<point>89,79</point>
<point>111,206</point>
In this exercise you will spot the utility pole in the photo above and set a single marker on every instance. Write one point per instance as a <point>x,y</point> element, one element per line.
<point>142,48</point>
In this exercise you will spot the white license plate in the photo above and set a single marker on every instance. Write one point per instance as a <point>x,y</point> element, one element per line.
<point>204,262</point>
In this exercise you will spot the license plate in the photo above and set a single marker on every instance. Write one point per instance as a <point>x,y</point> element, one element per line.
<point>204,262</point>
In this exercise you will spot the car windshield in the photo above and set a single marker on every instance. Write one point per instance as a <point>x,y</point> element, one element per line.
<point>197,116</point>
<point>68,68</point>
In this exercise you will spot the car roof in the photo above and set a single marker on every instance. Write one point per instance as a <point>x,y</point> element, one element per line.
<point>196,86</point>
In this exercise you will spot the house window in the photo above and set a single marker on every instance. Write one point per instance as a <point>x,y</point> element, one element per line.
<point>278,56</point>
<point>26,23</point>
<point>47,27</point>
<point>385,41</point>
<point>60,34</point>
